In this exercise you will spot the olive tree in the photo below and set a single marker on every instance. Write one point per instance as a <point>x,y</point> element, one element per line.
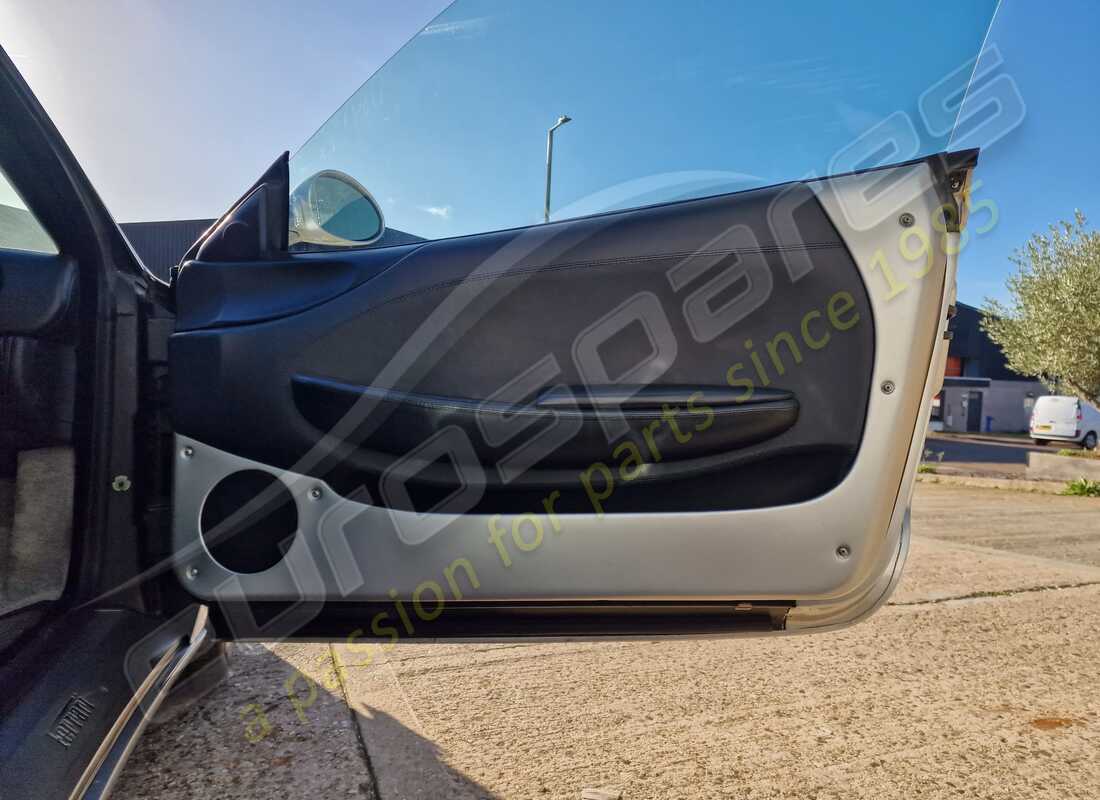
<point>1051,327</point>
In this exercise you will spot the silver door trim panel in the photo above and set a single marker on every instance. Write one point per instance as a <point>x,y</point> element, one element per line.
<point>347,549</point>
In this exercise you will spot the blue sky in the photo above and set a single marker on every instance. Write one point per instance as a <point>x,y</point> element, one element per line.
<point>449,135</point>
<point>1050,165</point>
<point>175,108</point>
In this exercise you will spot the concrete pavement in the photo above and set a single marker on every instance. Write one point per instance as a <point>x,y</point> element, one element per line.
<point>1063,528</point>
<point>247,740</point>
<point>978,681</point>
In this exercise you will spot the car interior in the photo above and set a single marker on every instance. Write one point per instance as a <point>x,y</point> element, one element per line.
<point>38,377</point>
<point>82,640</point>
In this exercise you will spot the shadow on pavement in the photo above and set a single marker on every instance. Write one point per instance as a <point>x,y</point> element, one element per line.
<point>279,727</point>
<point>406,765</point>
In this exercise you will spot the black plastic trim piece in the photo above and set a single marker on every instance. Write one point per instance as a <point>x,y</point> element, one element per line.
<point>517,620</point>
<point>257,226</point>
<point>653,396</point>
<point>63,693</point>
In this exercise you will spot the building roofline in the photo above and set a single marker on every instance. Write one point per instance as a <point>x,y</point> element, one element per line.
<point>196,220</point>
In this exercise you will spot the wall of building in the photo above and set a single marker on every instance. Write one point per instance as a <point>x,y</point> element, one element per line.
<point>161,245</point>
<point>976,368</point>
<point>974,351</point>
<point>1004,401</point>
<point>954,407</point>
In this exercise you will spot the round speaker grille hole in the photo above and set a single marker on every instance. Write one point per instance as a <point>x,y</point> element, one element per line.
<point>249,521</point>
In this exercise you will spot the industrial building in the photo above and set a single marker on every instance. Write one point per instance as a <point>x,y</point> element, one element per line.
<point>980,392</point>
<point>161,245</point>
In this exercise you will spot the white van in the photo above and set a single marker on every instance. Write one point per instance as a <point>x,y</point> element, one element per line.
<point>1057,418</point>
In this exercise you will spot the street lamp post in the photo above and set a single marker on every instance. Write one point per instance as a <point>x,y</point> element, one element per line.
<point>550,161</point>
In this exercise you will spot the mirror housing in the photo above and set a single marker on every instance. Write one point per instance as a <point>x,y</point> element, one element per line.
<point>333,209</point>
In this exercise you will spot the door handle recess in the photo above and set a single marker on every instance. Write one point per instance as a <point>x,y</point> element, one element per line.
<point>704,419</point>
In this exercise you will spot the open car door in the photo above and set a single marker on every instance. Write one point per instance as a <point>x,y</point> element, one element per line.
<point>691,400</point>
<point>398,391</point>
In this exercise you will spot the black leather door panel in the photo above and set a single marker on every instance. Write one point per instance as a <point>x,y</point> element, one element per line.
<point>36,292</point>
<point>508,317</point>
<point>219,294</point>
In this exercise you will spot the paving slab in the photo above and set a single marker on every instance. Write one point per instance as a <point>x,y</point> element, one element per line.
<point>406,761</point>
<point>247,738</point>
<point>1061,528</point>
<point>937,570</point>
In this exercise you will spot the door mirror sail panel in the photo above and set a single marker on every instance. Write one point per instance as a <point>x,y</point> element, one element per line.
<point>256,227</point>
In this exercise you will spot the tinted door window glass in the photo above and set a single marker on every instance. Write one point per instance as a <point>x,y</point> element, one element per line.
<point>666,102</point>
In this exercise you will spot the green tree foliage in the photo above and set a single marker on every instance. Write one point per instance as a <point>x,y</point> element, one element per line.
<point>1052,326</point>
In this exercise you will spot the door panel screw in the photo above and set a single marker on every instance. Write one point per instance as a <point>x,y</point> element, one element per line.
<point>192,573</point>
<point>843,551</point>
<point>906,220</point>
<point>888,387</point>
<point>315,493</point>
<point>121,483</point>
<point>188,451</point>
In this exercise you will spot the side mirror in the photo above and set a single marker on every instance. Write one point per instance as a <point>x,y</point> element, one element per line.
<point>332,208</point>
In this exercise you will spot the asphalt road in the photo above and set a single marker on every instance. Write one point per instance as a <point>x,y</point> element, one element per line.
<point>978,680</point>
<point>966,456</point>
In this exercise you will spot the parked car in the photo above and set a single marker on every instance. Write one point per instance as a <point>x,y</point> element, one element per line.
<point>683,400</point>
<point>1060,418</point>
